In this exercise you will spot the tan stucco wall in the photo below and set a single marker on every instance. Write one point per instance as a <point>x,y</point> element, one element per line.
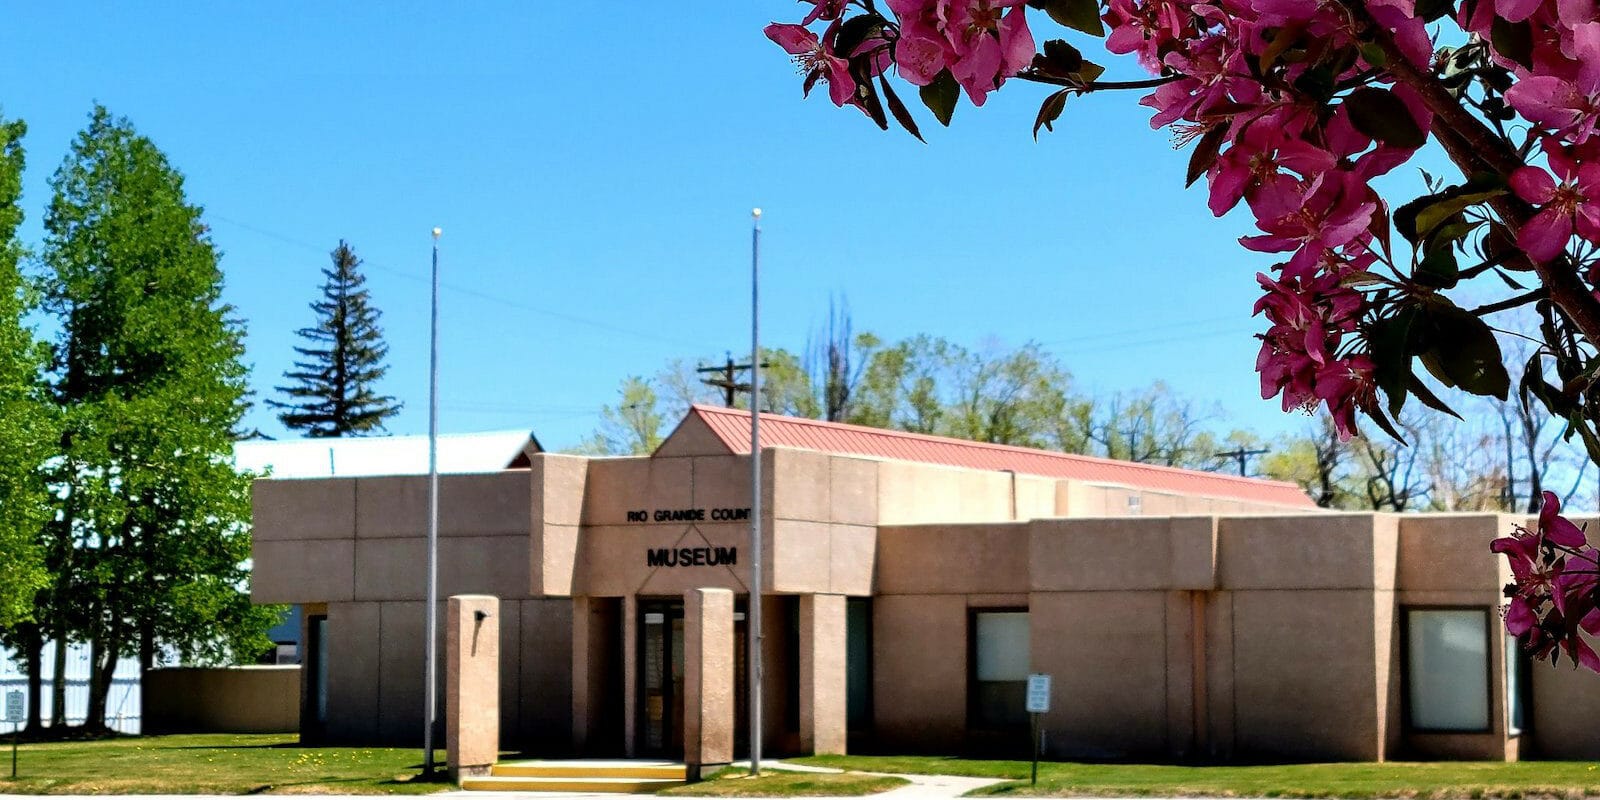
<point>1217,627</point>
<point>375,672</point>
<point>221,700</point>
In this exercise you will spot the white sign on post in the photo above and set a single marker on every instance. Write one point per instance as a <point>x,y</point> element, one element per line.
<point>1038,694</point>
<point>14,708</point>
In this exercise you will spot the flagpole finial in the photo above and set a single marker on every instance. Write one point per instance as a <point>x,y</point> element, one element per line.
<point>755,213</point>
<point>437,231</point>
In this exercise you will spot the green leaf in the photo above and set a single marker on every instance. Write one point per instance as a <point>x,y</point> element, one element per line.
<point>1373,54</point>
<point>901,114</point>
<point>1465,351</point>
<point>1416,219</point>
<point>1378,416</point>
<point>1317,82</point>
<point>1513,40</point>
<point>1080,15</point>
<point>1049,111</point>
<point>855,30</point>
<point>1438,269</point>
<point>940,96</point>
<point>1206,151</point>
<point>1381,115</point>
<point>1390,343</point>
<point>1058,58</point>
<point>1433,10</point>
<point>1427,397</point>
<point>1090,72</point>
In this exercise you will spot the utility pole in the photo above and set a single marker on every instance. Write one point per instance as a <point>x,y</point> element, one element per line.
<point>1242,456</point>
<point>726,380</point>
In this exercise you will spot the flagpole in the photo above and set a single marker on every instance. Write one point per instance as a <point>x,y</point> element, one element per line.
<point>754,645</point>
<point>431,685</point>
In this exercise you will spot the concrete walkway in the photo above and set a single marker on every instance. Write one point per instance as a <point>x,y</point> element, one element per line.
<point>923,787</point>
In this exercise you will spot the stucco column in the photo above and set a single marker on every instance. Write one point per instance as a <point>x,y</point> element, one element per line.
<point>824,706</point>
<point>707,680</point>
<point>581,631</point>
<point>630,675</point>
<point>472,684</point>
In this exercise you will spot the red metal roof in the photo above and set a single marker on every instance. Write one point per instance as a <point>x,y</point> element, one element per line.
<point>732,426</point>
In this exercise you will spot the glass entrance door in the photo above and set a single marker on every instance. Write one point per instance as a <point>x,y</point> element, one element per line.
<point>661,678</point>
<point>660,731</point>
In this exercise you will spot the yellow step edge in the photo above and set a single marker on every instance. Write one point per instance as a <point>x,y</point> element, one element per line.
<point>571,785</point>
<point>666,771</point>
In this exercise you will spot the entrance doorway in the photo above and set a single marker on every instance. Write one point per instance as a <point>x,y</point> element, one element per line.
<point>661,647</point>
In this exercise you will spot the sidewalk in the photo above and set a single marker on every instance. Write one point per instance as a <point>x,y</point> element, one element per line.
<point>923,787</point>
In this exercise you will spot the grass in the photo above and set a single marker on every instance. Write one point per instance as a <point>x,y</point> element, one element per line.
<point>1446,780</point>
<point>211,764</point>
<point>736,782</point>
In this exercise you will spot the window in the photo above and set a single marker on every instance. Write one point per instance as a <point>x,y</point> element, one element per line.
<point>1000,658</point>
<point>1517,687</point>
<point>1447,666</point>
<point>858,662</point>
<point>318,647</point>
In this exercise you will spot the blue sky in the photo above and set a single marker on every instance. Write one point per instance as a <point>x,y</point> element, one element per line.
<point>593,174</point>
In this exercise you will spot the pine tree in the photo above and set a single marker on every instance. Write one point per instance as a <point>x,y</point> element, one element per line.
<point>332,393</point>
<point>152,524</point>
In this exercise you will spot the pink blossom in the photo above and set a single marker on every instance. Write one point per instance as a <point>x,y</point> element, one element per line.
<point>921,52</point>
<point>1346,385</point>
<point>1565,208</point>
<point>816,59</point>
<point>990,40</point>
<point>1555,575</point>
<point>1258,158</point>
<point>1148,28</point>
<point>1325,213</point>
<point>827,10</point>
<point>1568,105</point>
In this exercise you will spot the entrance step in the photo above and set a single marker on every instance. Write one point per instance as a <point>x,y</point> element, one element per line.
<point>608,777</point>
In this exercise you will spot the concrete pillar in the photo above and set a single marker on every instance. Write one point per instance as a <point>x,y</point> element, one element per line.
<point>630,675</point>
<point>824,694</point>
<point>707,680</point>
<point>581,631</point>
<point>472,684</point>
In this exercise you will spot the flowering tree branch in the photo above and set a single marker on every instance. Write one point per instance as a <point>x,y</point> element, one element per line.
<point>1292,110</point>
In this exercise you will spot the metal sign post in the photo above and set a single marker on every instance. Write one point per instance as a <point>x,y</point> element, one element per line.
<point>14,715</point>
<point>1038,702</point>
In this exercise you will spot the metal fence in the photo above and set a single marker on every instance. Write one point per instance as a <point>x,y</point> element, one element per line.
<point>122,706</point>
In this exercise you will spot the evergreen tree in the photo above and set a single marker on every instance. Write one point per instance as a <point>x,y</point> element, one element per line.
<point>332,393</point>
<point>152,528</point>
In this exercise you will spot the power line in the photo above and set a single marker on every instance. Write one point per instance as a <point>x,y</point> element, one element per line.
<point>468,291</point>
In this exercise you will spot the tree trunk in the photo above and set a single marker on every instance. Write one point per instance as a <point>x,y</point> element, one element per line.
<point>58,677</point>
<point>33,657</point>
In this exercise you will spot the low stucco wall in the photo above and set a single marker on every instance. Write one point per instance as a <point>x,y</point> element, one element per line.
<point>222,700</point>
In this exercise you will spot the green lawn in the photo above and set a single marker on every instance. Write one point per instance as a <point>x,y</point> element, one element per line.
<point>211,764</point>
<point>1397,779</point>
<point>736,782</point>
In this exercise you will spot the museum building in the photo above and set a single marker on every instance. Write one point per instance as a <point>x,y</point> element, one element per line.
<point>911,584</point>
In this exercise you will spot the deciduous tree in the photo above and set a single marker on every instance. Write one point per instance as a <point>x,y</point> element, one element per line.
<point>152,517</point>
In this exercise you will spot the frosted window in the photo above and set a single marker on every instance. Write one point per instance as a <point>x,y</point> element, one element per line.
<point>1448,684</point>
<point>1000,676</point>
<point>1003,646</point>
